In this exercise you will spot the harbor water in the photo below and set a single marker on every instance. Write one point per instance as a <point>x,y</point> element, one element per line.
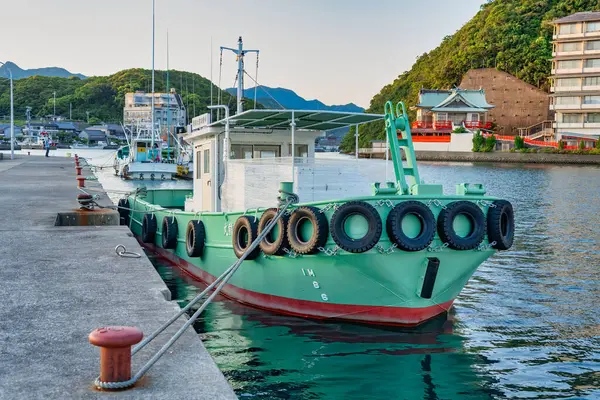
<point>526,325</point>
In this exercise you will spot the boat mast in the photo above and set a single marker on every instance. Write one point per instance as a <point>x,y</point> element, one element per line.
<point>168,103</point>
<point>152,99</point>
<point>240,88</point>
<point>240,53</point>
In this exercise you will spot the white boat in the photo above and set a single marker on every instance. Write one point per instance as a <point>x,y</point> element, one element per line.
<point>142,157</point>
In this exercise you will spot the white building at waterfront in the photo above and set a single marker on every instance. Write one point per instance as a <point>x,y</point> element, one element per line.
<point>575,88</point>
<point>168,109</point>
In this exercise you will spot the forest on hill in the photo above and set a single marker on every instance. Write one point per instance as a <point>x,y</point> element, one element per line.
<point>104,96</point>
<point>514,36</point>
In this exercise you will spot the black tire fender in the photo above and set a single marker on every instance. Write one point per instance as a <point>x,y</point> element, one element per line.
<point>245,231</point>
<point>149,226</point>
<point>446,229</point>
<point>169,232</point>
<point>501,225</point>
<point>338,229</point>
<point>271,245</point>
<point>124,211</point>
<point>399,237</point>
<point>195,236</point>
<point>320,230</point>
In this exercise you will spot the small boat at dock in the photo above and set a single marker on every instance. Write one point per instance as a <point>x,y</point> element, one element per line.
<point>394,252</point>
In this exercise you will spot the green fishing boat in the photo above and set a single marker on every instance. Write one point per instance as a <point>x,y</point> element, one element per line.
<point>396,252</point>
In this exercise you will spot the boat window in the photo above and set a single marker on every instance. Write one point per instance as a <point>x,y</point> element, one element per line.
<point>206,161</point>
<point>300,150</point>
<point>266,151</point>
<point>198,164</point>
<point>241,151</point>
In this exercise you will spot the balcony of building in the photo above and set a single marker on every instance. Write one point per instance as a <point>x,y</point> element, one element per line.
<point>448,125</point>
<point>577,30</point>
<point>576,125</point>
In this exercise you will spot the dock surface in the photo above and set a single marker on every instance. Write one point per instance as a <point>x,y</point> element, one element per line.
<point>60,283</point>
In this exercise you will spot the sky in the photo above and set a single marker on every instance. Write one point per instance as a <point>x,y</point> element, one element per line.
<point>337,51</point>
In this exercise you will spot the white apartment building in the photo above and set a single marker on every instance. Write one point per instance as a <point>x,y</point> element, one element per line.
<point>168,109</point>
<point>575,88</point>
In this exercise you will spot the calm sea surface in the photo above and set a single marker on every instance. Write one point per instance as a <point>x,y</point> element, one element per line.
<point>527,325</point>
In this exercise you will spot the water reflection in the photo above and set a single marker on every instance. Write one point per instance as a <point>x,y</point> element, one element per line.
<point>269,356</point>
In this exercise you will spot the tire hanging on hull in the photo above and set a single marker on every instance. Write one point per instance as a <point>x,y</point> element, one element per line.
<point>396,232</point>
<point>124,211</point>
<point>195,236</point>
<point>343,238</point>
<point>274,245</point>
<point>501,225</point>
<point>169,233</point>
<point>320,230</point>
<point>148,228</point>
<point>476,219</point>
<point>245,231</point>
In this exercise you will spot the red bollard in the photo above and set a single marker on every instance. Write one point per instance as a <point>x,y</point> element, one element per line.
<point>80,181</point>
<point>78,169</point>
<point>115,351</point>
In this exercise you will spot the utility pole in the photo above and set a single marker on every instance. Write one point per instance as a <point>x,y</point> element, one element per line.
<point>88,116</point>
<point>70,112</point>
<point>54,106</point>
<point>152,100</point>
<point>12,116</point>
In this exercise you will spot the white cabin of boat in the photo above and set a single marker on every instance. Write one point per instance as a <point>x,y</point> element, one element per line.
<point>266,147</point>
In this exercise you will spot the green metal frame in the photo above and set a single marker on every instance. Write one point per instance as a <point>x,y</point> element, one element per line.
<point>406,175</point>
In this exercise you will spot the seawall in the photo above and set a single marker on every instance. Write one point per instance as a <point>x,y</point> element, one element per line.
<point>498,157</point>
<point>506,157</point>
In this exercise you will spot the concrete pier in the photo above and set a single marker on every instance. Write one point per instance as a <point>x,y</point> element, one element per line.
<point>60,283</point>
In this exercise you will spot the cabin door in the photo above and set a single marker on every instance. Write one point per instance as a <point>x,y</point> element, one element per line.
<point>206,174</point>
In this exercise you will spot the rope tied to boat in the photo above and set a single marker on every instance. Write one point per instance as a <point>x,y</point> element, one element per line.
<point>217,285</point>
<point>121,250</point>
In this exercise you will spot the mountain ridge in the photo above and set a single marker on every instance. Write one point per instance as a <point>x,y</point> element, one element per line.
<point>104,96</point>
<point>20,73</point>
<point>291,100</point>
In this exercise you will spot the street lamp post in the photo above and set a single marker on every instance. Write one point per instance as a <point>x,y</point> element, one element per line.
<point>12,116</point>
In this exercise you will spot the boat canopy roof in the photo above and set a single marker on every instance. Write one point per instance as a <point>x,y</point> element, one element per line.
<point>305,119</point>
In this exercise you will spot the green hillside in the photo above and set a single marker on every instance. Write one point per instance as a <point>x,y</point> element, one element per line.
<point>103,96</point>
<point>515,36</point>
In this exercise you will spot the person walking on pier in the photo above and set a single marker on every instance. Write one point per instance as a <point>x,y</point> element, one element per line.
<point>47,146</point>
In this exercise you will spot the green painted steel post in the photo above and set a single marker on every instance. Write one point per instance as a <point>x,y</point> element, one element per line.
<point>390,127</point>
<point>411,159</point>
<point>285,188</point>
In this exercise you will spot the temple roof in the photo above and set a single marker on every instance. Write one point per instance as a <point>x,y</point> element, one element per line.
<point>454,100</point>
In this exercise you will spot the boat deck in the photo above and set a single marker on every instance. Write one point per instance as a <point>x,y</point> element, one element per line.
<point>60,283</point>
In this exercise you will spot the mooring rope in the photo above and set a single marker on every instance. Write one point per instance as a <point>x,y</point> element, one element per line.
<point>221,281</point>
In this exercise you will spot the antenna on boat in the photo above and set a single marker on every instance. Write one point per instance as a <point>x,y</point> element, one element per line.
<point>240,53</point>
<point>168,102</point>
<point>152,99</point>
<point>211,75</point>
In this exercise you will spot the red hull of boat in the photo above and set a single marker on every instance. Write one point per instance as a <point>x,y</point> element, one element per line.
<point>379,315</point>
